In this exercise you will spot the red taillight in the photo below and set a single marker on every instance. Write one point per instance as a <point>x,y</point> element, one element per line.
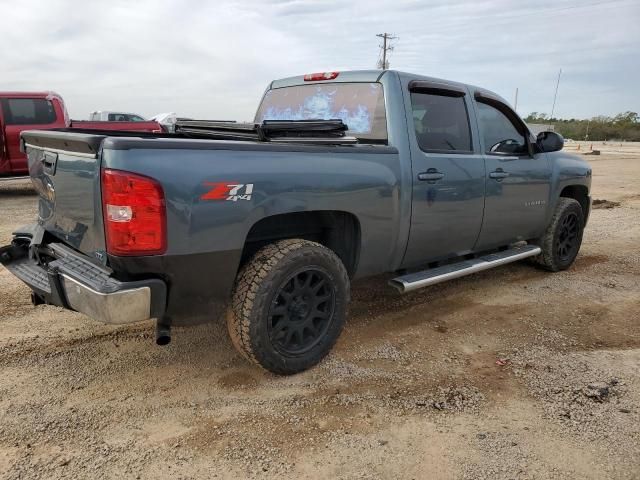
<point>314,77</point>
<point>134,214</point>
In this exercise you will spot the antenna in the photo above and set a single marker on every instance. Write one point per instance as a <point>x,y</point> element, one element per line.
<point>555,95</point>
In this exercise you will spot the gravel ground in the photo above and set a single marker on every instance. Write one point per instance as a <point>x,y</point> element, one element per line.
<point>509,374</point>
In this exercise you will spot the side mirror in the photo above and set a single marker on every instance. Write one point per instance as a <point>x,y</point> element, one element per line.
<point>549,141</point>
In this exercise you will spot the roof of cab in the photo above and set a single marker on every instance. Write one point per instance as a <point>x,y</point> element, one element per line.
<point>357,76</point>
<point>375,76</point>
<point>27,94</point>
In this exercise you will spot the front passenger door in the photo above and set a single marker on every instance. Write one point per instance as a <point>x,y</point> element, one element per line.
<point>21,114</point>
<point>518,179</point>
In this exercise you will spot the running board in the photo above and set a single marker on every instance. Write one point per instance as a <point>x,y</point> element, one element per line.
<point>425,278</point>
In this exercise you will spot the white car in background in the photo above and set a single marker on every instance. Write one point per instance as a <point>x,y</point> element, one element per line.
<point>107,116</point>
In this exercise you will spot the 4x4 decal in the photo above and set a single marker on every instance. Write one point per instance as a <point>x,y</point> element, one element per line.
<point>229,191</point>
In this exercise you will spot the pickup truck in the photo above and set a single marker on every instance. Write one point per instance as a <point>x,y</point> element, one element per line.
<point>432,180</point>
<point>21,111</point>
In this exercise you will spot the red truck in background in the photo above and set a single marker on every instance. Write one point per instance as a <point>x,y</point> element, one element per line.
<point>43,111</point>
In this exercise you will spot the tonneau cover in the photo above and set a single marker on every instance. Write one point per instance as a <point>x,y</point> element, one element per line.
<point>313,131</point>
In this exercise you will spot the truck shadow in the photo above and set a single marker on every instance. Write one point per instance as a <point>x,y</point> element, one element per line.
<point>424,322</point>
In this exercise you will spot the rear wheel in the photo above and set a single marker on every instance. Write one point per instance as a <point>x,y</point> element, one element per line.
<point>289,305</point>
<point>563,237</point>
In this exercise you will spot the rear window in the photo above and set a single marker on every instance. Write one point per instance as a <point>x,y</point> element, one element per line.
<point>359,105</point>
<point>28,111</point>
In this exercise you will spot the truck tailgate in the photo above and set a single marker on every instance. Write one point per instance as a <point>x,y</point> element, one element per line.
<point>65,170</point>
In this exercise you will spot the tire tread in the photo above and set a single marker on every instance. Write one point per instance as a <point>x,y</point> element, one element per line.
<point>256,275</point>
<point>546,259</point>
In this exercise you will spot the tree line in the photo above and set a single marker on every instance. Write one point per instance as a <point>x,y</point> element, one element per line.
<point>624,126</point>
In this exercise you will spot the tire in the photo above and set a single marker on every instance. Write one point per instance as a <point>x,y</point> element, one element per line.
<point>563,237</point>
<point>289,306</point>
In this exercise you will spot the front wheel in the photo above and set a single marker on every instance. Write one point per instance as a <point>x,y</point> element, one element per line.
<point>289,305</point>
<point>563,237</point>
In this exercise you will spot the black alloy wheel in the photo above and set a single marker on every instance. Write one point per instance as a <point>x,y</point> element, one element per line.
<point>301,311</point>
<point>567,242</point>
<point>561,241</point>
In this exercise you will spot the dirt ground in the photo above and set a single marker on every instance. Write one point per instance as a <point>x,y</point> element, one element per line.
<point>513,373</point>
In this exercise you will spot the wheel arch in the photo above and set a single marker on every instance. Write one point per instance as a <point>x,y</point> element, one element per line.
<point>338,230</point>
<point>580,193</point>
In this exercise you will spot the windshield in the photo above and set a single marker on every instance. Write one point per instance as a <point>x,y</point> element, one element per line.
<point>359,105</point>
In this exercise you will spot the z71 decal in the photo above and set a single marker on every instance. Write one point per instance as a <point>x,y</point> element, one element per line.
<point>231,192</point>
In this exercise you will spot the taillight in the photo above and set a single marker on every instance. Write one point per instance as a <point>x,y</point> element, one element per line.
<point>134,214</point>
<point>315,77</point>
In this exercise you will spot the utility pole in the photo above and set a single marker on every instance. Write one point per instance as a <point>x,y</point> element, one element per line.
<point>386,47</point>
<point>515,103</point>
<point>555,95</point>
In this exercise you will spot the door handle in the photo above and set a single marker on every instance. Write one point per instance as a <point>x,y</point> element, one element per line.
<point>499,174</point>
<point>431,175</point>
<point>49,161</point>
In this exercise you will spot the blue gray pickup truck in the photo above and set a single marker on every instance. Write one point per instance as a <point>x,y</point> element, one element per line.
<point>342,175</point>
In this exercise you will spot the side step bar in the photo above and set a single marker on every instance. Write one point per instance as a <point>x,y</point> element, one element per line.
<point>425,278</point>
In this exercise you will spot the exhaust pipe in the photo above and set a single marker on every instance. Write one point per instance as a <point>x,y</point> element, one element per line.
<point>36,299</point>
<point>163,333</point>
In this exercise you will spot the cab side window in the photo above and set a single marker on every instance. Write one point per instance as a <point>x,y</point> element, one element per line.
<point>441,123</point>
<point>500,134</point>
<point>28,111</point>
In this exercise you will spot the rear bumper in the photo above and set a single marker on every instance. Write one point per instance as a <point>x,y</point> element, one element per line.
<point>69,280</point>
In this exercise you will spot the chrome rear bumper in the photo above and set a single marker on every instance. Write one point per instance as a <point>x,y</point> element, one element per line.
<point>122,306</point>
<point>71,281</point>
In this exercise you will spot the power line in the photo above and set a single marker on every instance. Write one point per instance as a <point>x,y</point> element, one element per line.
<point>500,18</point>
<point>386,46</point>
<point>539,12</point>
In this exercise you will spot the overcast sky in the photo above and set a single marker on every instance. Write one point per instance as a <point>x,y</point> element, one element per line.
<point>213,59</point>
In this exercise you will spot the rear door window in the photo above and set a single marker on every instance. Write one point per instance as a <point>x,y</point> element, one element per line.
<point>28,111</point>
<point>441,123</point>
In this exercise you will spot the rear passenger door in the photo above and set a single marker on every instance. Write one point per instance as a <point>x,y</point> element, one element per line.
<point>448,173</point>
<point>518,178</point>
